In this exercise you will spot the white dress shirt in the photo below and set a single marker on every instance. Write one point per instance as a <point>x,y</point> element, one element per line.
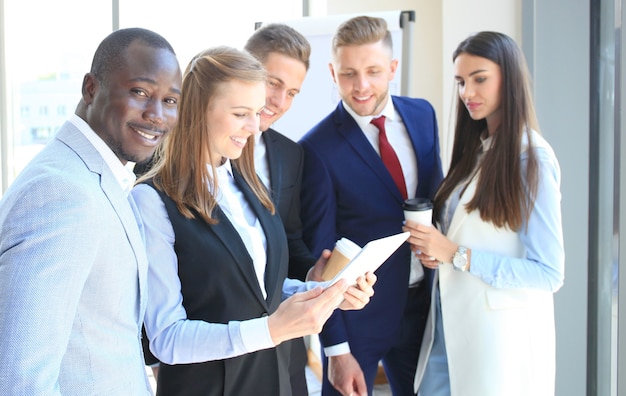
<point>235,206</point>
<point>398,138</point>
<point>401,142</point>
<point>124,176</point>
<point>260,160</point>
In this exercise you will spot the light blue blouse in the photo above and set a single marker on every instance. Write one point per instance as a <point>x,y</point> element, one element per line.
<point>174,339</point>
<point>543,268</point>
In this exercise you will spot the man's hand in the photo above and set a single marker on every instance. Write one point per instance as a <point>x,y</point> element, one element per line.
<point>345,374</point>
<point>315,273</point>
<point>305,313</point>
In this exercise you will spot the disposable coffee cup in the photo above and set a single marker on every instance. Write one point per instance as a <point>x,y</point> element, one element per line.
<point>418,210</point>
<point>344,251</point>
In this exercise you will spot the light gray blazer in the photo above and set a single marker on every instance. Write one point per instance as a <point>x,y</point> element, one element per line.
<point>72,277</point>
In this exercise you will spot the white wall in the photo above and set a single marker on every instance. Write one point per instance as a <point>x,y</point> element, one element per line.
<point>462,18</point>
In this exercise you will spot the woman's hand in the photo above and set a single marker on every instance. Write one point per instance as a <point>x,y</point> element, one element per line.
<point>429,244</point>
<point>357,297</point>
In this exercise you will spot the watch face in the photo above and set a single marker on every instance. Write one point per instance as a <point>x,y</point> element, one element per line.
<point>460,258</point>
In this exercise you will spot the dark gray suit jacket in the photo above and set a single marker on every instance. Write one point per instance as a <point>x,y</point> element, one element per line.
<point>286,159</point>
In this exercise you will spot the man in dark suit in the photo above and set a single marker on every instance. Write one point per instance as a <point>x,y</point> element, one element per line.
<point>349,191</point>
<point>285,55</point>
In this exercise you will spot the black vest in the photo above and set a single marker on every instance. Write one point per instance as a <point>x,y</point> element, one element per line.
<point>219,285</point>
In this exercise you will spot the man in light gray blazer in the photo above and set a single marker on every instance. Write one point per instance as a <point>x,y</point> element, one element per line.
<point>73,265</point>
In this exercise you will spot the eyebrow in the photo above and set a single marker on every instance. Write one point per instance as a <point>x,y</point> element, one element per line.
<point>472,73</point>
<point>477,71</point>
<point>241,107</point>
<point>269,76</point>
<point>153,82</point>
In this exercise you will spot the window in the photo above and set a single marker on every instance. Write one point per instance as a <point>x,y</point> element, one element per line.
<point>45,59</point>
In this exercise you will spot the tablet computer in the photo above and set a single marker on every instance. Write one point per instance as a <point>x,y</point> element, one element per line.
<point>372,256</point>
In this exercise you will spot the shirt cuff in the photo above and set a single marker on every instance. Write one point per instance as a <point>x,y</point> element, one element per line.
<point>339,349</point>
<point>255,334</point>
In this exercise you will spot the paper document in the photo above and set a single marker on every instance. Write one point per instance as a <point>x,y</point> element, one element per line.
<point>372,256</point>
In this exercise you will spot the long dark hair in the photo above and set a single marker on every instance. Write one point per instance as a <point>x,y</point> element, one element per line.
<point>501,195</point>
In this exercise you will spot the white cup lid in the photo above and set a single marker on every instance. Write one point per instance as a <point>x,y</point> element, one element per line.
<point>347,247</point>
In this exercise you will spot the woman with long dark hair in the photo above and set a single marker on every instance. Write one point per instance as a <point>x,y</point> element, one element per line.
<point>498,244</point>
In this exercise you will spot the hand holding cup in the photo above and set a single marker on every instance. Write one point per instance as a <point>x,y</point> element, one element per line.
<point>344,251</point>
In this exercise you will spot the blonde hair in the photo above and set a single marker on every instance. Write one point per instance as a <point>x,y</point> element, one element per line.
<point>180,168</point>
<point>362,30</point>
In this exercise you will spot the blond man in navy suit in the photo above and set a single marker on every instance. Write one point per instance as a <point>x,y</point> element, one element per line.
<point>73,266</point>
<point>347,191</point>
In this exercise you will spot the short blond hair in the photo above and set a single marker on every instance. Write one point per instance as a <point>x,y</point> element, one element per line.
<point>362,30</point>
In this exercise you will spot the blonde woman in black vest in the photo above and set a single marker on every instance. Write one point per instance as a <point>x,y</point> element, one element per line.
<point>218,252</point>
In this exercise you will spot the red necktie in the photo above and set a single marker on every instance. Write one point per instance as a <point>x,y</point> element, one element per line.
<point>389,157</point>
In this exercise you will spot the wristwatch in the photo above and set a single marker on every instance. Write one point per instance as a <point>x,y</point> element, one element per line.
<point>459,260</point>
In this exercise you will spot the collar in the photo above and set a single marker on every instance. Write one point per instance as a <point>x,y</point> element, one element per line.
<point>225,169</point>
<point>123,173</point>
<point>257,137</point>
<point>388,111</point>
<point>486,142</point>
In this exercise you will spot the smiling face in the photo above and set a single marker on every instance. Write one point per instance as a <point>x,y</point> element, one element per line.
<point>362,74</point>
<point>136,104</point>
<point>479,81</point>
<point>233,116</point>
<point>284,80</point>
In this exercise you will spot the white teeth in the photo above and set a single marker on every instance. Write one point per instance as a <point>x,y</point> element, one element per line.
<point>145,135</point>
<point>239,140</point>
<point>363,98</point>
<point>268,112</point>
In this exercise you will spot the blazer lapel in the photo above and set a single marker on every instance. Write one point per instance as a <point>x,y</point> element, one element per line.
<point>272,228</point>
<point>273,164</point>
<point>406,116</point>
<point>232,241</point>
<point>350,130</point>
<point>460,214</point>
<point>129,218</point>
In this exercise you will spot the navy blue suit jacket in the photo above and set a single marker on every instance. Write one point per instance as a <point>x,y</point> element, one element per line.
<point>348,192</point>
